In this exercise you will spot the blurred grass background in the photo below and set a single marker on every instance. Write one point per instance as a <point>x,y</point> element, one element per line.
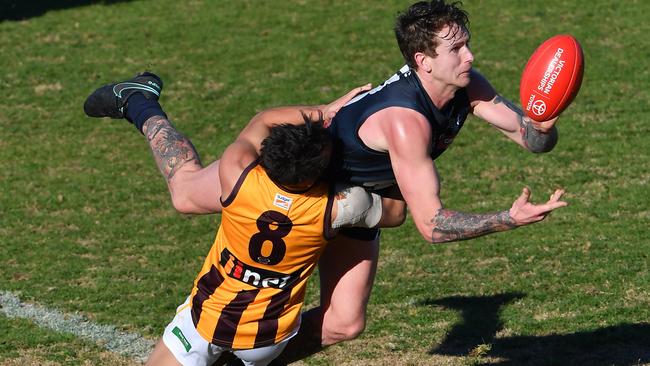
<point>87,226</point>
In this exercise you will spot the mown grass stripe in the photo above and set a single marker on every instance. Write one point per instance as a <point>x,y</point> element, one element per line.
<point>128,344</point>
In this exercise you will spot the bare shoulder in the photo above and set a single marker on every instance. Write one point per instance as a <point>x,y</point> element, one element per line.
<point>382,127</point>
<point>237,156</point>
<point>410,125</point>
<point>398,118</point>
<point>408,135</point>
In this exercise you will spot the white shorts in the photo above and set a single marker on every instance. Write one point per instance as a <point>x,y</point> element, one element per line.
<point>190,348</point>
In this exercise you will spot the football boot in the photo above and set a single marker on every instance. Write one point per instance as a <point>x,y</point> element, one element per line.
<point>110,100</point>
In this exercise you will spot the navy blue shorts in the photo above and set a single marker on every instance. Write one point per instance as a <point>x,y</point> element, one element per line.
<point>360,233</point>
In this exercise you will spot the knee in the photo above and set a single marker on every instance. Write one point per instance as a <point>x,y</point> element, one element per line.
<point>335,332</point>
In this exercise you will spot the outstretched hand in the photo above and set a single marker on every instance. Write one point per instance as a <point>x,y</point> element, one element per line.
<point>524,212</point>
<point>330,110</point>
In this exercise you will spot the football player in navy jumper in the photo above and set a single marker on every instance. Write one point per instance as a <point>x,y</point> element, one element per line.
<point>387,140</point>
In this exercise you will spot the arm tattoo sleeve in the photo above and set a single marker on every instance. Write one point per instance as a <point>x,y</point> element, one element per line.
<point>171,150</point>
<point>535,141</point>
<point>453,225</point>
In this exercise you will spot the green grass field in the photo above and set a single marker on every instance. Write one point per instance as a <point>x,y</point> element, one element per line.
<point>87,227</point>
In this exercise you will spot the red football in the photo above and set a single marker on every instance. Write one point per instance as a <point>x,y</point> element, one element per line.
<point>552,77</point>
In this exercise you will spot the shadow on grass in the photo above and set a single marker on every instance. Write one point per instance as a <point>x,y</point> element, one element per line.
<point>624,344</point>
<point>25,9</point>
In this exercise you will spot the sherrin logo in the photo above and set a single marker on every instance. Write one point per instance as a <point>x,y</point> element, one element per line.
<point>282,201</point>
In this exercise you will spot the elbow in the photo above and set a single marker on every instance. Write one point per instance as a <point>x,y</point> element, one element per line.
<point>433,236</point>
<point>182,204</point>
<point>426,230</point>
<point>181,200</point>
<point>426,226</point>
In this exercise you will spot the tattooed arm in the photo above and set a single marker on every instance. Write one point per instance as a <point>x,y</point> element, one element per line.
<point>537,137</point>
<point>408,136</point>
<point>533,138</point>
<point>171,150</point>
<point>193,188</point>
<point>196,189</point>
<point>452,225</point>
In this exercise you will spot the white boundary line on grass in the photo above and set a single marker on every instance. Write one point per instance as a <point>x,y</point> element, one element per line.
<point>131,345</point>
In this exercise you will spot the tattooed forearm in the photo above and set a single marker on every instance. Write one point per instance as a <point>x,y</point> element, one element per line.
<point>536,141</point>
<point>453,225</point>
<point>170,148</point>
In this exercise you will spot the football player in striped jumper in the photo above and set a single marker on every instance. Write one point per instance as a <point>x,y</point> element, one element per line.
<point>278,213</point>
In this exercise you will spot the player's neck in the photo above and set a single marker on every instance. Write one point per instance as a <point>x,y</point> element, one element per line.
<point>439,92</point>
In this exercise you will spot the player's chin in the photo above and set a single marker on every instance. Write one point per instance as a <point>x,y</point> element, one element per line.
<point>463,79</point>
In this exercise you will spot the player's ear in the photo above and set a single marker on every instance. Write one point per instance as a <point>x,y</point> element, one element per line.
<point>422,61</point>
